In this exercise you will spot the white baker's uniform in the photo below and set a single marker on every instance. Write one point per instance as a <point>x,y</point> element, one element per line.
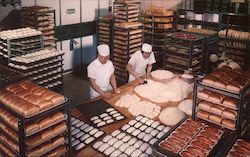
<point>101,73</point>
<point>139,64</point>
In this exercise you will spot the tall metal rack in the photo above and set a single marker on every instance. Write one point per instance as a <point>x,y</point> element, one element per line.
<point>22,122</point>
<point>156,27</point>
<point>182,53</point>
<point>127,40</point>
<point>42,20</point>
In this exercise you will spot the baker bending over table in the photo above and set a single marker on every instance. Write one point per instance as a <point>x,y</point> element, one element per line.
<point>140,63</point>
<point>101,74</point>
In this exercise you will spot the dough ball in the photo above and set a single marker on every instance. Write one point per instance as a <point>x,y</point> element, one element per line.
<point>171,116</point>
<point>186,106</point>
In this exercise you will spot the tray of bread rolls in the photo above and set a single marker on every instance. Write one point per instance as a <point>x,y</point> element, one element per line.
<point>101,113</point>
<point>38,99</point>
<point>191,138</point>
<point>83,134</point>
<point>133,139</point>
<point>228,80</point>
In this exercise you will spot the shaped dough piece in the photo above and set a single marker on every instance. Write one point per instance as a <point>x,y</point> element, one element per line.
<point>138,144</point>
<point>136,152</point>
<point>119,117</point>
<point>129,150</point>
<point>112,141</point>
<point>121,135</point>
<point>98,134</point>
<point>144,147</point>
<point>152,141</point>
<point>110,109</point>
<point>80,146</point>
<point>100,124</point>
<point>126,138</point>
<point>109,150</point>
<point>84,137</point>
<point>116,153</point>
<point>132,122</point>
<point>118,143</point>
<point>84,126</point>
<point>98,144</point>
<point>132,141</point>
<point>115,133</point>
<point>186,106</point>
<point>93,131</point>
<point>103,147</point>
<point>125,127</point>
<point>162,74</point>
<point>107,138</point>
<point>123,147</point>
<point>89,140</point>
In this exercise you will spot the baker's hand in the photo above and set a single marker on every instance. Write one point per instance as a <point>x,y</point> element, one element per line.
<point>140,80</point>
<point>107,95</point>
<point>117,90</point>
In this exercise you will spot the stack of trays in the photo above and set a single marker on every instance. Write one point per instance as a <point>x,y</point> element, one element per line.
<point>35,124</point>
<point>235,45</point>
<point>157,23</point>
<point>83,134</point>
<point>101,113</point>
<point>42,19</point>
<point>183,51</point>
<point>222,99</point>
<point>104,26</point>
<point>127,40</point>
<point>126,11</point>
<point>19,41</point>
<point>44,67</point>
<point>134,138</point>
<point>189,138</point>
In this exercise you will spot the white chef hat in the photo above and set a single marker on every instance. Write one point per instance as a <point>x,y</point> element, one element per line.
<point>103,50</point>
<point>146,48</point>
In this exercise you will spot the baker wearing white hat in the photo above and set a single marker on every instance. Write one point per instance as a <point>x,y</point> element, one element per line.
<point>140,63</point>
<point>101,74</point>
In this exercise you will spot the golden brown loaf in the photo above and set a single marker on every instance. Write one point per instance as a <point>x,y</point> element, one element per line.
<point>216,97</point>
<point>215,118</point>
<point>216,109</point>
<point>28,99</point>
<point>228,113</point>
<point>228,101</point>
<point>205,105</point>
<point>203,114</point>
<point>229,123</point>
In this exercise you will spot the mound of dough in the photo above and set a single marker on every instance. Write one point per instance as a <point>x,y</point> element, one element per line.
<point>162,74</point>
<point>145,108</point>
<point>171,116</point>
<point>176,90</point>
<point>186,106</point>
<point>127,100</point>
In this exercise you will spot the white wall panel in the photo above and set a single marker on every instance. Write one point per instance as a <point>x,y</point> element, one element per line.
<point>168,4</point>
<point>70,18</point>
<point>27,3</point>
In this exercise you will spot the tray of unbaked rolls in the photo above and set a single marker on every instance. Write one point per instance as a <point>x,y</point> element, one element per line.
<point>134,138</point>
<point>83,134</point>
<point>100,113</point>
<point>27,99</point>
<point>191,138</point>
<point>228,80</point>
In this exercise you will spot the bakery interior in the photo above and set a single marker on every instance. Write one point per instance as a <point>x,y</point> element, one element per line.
<point>194,103</point>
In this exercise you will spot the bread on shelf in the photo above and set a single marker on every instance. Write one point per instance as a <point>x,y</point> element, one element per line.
<point>215,118</point>
<point>205,105</point>
<point>203,94</point>
<point>230,102</point>
<point>229,123</point>
<point>203,114</point>
<point>228,113</point>
<point>216,97</point>
<point>216,109</point>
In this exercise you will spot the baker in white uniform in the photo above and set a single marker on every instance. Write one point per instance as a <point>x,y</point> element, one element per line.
<point>101,74</point>
<point>140,63</point>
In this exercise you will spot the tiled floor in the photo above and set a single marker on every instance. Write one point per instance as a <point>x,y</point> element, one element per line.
<point>76,87</point>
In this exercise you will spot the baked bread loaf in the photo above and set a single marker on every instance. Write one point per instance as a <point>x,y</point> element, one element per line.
<point>58,141</point>
<point>57,117</point>
<point>6,150</point>
<point>46,147</point>
<point>228,113</point>
<point>47,134</point>
<point>203,114</point>
<point>29,99</point>
<point>45,122</point>
<point>221,83</point>
<point>204,94</point>
<point>58,152</point>
<point>215,118</point>
<point>216,109</point>
<point>34,140</point>
<point>230,102</point>
<point>229,123</point>
<point>60,128</point>
<point>216,97</point>
<point>205,105</point>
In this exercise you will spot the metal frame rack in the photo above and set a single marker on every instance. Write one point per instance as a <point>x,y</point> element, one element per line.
<point>154,33</point>
<point>210,47</point>
<point>8,76</point>
<point>238,50</point>
<point>19,46</point>
<point>104,27</point>
<point>45,72</point>
<point>126,42</point>
<point>22,122</point>
<point>43,21</point>
<point>126,12</point>
<point>191,57</point>
<point>242,97</point>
